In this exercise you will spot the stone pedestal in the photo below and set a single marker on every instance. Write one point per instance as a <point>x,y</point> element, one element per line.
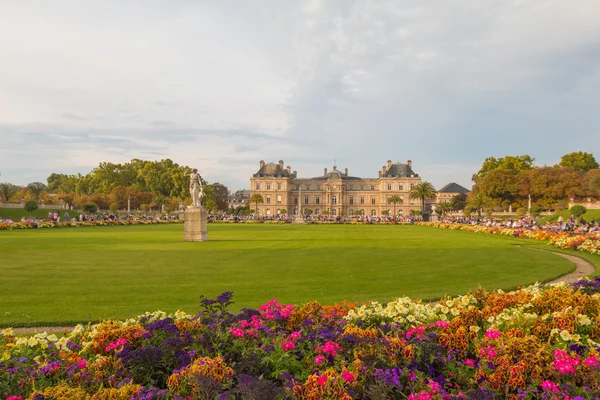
<point>299,220</point>
<point>194,225</point>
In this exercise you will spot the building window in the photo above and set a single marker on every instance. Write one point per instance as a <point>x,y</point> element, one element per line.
<point>318,200</point>
<point>268,211</point>
<point>279,186</point>
<point>333,212</point>
<point>372,187</point>
<point>412,186</point>
<point>295,200</point>
<point>351,200</point>
<point>350,212</point>
<point>268,199</point>
<point>389,186</point>
<point>351,187</point>
<point>317,211</point>
<point>362,199</point>
<point>412,201</point>
<point>334,199</point>
<point>268,186</point>
<point>400,187</point>
<point>297,187</point>
<point>307,187</point>
<point>258,186</point>
<point>362,212</point>
<point>305,199</point>
<point>373,199</point>
<point>279,198</point>
<point>373,212</point>
<point>318,187</point>
<point>362,187</point>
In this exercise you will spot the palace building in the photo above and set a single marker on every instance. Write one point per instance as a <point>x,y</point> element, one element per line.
<point>335,192</point>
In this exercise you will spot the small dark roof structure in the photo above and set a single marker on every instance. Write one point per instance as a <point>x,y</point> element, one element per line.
<point>399,170</point>
<point>272,169</point>
<point>453,187</point>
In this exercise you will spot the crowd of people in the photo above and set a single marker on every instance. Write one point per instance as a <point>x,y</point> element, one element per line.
<point>571,224</point>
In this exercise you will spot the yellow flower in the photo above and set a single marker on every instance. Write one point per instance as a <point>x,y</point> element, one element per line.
<point>8,332</point>
<point>565,335</point>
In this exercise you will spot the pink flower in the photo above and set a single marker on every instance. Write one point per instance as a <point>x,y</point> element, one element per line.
<point>434,386</point>
<point>441,324</point>
<point>237,332</point>
<point>322,380</point>
<point>81,364</point>
<point>287,345</point>
<point>330,348</point>
<point>295,335</point>
<point>470,362</point>
<point>14,398</point>
<point>591,361</point>
<point>319,359</point>
<point>492,334</point>
<point>347,376</point>
<point>550,386</point>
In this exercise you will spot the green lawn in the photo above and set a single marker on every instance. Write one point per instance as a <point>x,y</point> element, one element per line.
<point>588,216</point>
<point>61,276</point>
<point>17,213</point>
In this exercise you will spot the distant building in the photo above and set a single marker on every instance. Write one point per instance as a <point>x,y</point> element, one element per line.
<point>335,191</point>
<point>449,191</point>
<point>239,198</point>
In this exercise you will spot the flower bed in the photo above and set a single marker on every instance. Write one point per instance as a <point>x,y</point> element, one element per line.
<point>536,342</point>
<point>589,243</point>
<point>80,224</point>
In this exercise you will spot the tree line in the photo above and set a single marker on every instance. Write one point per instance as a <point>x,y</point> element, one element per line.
<point>143,184</point>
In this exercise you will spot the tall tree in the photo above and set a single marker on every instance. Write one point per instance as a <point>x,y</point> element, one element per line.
<point>514,163</point>
<point>499,184</point>
<point>395,199</point>
<point>257,199</point>
<point>579,161</point>
<point>444,207</point>
<point>7,190</point>
<point>422,191</point>
<point>36,189</point>
<point>221,196</point>
<point>478,202</point>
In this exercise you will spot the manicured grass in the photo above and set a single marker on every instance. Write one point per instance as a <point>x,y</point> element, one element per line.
<point>61,276</point>
<point>17,213</point>
<point>588,216</point>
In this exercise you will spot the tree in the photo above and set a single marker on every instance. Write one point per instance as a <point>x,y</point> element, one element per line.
<point>459,202</point>
<point>31,206</point>
<point>90,207</point>
<point>385,212</point>
<point>513,163</point>
<point>577,211</point>
<point>478,202</point>
<point>7,190</point>
<point>36,189</point>
<point>308,211</point>
<point>283,211</point>
<point>357,212</point>
<point>443,207</point>
<point>257,199</point>
<point>579,161</point>
<point>395,199</point>
<point>422,191</point>
<point>326,212</point>
<point>221,196</point>
<point>594,184</point>
<point>499,184</point>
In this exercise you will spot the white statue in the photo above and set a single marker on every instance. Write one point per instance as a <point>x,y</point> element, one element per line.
<point>196,187</point>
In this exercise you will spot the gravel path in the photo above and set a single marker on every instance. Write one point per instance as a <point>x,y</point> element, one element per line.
<point>583,268</point>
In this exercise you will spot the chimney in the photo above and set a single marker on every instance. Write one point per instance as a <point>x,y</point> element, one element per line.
<point>380,174</point>
<point>325,172</point>
<point>383,169</point>
<point>262,163</point>
<point>281,164</point>
<point>295,174</point>
<point>389,163</point>
<point>289,169</point>
<point>409,163</point>
<point>346,170</point>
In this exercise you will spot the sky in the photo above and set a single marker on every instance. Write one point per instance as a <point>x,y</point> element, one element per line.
<point>221,85</point>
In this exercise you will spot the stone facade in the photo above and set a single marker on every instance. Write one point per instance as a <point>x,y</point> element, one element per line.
<point>336,191</point>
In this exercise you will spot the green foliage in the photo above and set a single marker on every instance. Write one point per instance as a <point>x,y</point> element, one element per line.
<point>17,213</point>
<point>257,199</point>
<point>90,207</point>
<point>307,211</point>
<point>513,163</point>
<point>422,191</point>
<point>357,212</point>
<point>443,207</point>
<point>478,202</point>
<point>594,184</point>
<point>395,199</point>
<point>577,211</point>
<point>7,190</point>
<point>459,202</point>
<point>579,161</point>
<point>521,211</point>
<point>114,207</point>
<point>31,206</point>
<point>536,210</point>
<point>36,189</point>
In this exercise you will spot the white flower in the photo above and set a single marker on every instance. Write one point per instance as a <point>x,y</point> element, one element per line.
<point>565,335</point>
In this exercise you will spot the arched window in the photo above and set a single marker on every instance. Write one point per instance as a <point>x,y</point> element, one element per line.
<point>317,211</point>
<point>373,212</point>
<point>350,212</point>
<point>362,212</point>
<point>268,211</point>
<point>333,211</point>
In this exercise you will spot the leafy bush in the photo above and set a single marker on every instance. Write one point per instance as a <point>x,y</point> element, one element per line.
<point>31,206</point>
<point>577,211</point>
<point>90,207</point>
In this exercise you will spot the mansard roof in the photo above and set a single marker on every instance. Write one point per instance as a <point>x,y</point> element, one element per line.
<point>272,169</point>
<point>453,187</point>
<point>399,170</point>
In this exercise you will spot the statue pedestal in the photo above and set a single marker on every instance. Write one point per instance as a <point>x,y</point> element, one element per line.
<point>194,225</point>
<point>299,220</point>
